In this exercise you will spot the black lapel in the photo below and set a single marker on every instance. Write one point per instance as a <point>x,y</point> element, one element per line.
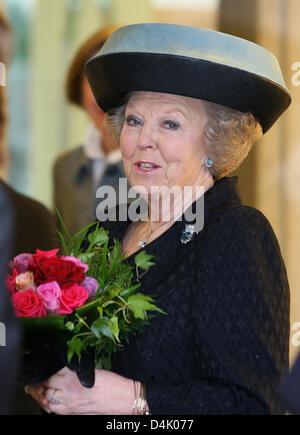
<point>169,250</point>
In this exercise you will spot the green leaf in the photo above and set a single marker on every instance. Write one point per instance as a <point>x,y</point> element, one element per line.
<point>114,327</point>
<point>98,237</point>
<point>141,303</point>
<point>46,323</point>
<point>92,238</point>
<point>70,326</point>
<point>86,308</point>
<point>100,327</point>
<point>126,292</point>
<point>114,258</point>
<point>106,362</point>
<point>142,260</point>
<point>113,291</point>
<point>63,225</point>
<point>63,242</point>
<point>86,257</point>
<point>84,230</point>
<point>75,346</point>
<point>103,262</point>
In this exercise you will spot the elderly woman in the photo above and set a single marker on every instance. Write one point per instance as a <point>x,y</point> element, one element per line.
<point>188,104</point>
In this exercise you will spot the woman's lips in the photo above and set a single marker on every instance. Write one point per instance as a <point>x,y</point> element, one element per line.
<point>146,167</point>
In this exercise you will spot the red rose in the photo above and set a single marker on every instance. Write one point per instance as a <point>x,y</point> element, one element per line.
<point>45,254</point>
<point>28,304</point>
<point>71,298</point>
<point>11,281</point>
<point>65,273</point>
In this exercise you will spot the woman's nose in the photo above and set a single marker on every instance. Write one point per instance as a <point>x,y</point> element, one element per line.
<point>147,137</point>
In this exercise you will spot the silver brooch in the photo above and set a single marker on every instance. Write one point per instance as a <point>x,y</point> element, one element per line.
<point>187,234</point>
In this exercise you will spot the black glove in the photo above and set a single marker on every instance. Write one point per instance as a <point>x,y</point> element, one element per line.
<point>85,369</point>
<point>42,360</point>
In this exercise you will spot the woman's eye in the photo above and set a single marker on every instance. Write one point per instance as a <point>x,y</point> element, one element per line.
<point>133,121</point>
<point>172,125</point>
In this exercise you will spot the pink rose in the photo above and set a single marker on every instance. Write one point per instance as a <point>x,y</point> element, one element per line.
<point>22,262</point>
<point>71,298</point>
<point>28,304</point>
<point>25,281</point>
<point>77,261</point>
<point>50,293</point>
<point>91,285</point>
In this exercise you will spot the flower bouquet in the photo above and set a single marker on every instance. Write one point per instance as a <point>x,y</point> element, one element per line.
<point>77,309</point>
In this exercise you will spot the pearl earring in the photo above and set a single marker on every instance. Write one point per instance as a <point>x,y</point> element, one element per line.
<point>208,162</point>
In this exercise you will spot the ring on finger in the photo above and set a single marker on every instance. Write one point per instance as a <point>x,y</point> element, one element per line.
<point>53,399</point>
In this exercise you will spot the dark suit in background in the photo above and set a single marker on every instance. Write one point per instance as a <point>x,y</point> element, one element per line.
<point>10,336</point>
<point>34,227</point>
<point>34,224</point>
<point>74,193</point>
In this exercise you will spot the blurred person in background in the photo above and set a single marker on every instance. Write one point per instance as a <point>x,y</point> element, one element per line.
<point>9,332</point>
<point>33,227</point>
<point>34,224</point>
<point>79,172</point>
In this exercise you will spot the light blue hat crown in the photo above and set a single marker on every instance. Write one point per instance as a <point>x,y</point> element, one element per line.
<point>174,39</point>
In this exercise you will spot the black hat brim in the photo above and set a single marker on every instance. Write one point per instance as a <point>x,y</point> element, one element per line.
<point>112,76</point>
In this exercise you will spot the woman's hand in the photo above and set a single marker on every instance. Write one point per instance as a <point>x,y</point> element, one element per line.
<point>111,394</point>
<point>37,392</point>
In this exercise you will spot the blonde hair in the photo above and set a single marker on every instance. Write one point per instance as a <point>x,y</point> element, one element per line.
<point>229,134</point>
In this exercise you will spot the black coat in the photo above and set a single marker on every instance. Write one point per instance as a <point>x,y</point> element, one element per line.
<point>223,347</point>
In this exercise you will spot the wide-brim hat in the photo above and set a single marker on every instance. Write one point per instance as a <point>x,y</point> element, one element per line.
<point>191,62</point>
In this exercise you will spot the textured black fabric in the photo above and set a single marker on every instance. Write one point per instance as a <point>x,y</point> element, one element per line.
<point>224,345</point>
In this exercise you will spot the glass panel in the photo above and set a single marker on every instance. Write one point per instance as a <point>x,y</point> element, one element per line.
<point>200,13</point>
<point>18,85</point>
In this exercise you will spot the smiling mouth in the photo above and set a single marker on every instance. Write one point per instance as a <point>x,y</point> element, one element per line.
<point>146,166</point>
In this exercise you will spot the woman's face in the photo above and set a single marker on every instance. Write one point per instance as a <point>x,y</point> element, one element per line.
<point>161,140</point>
